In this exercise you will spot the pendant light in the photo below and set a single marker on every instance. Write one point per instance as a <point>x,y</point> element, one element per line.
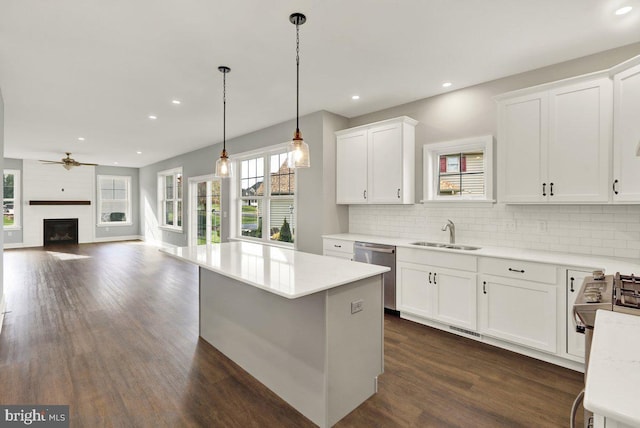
<point>297,149</point>
<point>224,167</point>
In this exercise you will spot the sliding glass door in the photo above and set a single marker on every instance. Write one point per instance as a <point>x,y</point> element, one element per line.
<point>204,210</point>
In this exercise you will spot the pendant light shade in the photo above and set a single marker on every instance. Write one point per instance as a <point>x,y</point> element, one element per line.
<point>224,166</point>
<point>297,149</point>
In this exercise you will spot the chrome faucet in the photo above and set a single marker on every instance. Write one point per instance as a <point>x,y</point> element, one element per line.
<point>452,231</point>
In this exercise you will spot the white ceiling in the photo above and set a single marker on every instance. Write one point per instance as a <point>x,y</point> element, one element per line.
<point>97,69</point>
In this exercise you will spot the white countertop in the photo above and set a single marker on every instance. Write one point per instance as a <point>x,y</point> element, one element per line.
<point>610,265</point>
<point>613,374</point>
<point>287,273</point>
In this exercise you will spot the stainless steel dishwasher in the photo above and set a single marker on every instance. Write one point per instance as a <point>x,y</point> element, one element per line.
<point>383,255</point>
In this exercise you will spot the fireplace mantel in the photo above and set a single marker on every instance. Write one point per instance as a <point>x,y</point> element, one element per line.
<point>59,202</point>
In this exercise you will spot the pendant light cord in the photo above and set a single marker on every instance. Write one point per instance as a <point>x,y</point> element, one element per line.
<point>224,111</point>
<point>297,76</point>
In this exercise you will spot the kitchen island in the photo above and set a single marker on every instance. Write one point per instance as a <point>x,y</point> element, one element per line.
<point>308,327</point>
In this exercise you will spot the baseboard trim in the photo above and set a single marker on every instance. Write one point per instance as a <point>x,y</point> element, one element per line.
<point>9,246</point>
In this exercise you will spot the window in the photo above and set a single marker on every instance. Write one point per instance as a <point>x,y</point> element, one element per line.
<point>11,202</point>
<point>170,199</point>
<point>114,200</point>
<point>459,170</point>
<point>267,200</point>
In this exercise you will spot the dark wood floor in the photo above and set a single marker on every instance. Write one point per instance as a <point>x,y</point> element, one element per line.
<point>112,330</point>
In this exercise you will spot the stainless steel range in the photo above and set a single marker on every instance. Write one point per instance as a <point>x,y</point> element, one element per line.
<point>618,293</point>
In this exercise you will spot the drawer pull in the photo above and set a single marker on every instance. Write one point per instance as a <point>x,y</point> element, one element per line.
<point>572,279</point>
<point>516,270</point>
<point>429,277</point>
<point>484,287</point>
<point>337,246</point>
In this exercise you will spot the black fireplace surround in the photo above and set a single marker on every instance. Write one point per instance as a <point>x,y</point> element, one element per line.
<point>59,231</point>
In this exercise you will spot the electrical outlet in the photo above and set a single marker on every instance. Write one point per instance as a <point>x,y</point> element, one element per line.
<point>357,306</point>
<point>510,226</point>
<point>542,226</point>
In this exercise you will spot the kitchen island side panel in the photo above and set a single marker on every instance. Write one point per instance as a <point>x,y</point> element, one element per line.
<point>355,352</point>
<point>281,342</point>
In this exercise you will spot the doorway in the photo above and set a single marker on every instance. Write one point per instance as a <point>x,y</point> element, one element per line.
<point>204,210</point>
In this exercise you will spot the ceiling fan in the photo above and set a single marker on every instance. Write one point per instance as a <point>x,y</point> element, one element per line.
<point>68,162</point>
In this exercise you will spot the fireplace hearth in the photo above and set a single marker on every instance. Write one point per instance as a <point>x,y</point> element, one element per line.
<point>59,231</point>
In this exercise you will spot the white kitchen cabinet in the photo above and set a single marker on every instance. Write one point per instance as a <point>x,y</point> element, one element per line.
<point>437,286</point>
<point>375,163</point>
<point>554,142</point>
<point>338,248</point>
<point>444,295</point>
<point>575,340</point>
<point>522,135</point>
<point>626,132</point>
<point>517,311</point>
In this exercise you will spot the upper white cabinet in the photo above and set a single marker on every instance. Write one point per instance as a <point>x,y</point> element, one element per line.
<point>375,163</point>
<point>554,142</point>
<point>626,132</point>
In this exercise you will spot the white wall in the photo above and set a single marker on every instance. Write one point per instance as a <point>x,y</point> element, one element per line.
<point>53,182</point>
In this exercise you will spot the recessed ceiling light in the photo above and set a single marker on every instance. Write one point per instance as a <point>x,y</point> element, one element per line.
<point>623,10</point>
<point>355,97</point>
<point>80,138</point>
<point>176,102</point>
<point>139,152</point>
<point>152,117</point>
<point>446,84</point>
<point>115,163</point>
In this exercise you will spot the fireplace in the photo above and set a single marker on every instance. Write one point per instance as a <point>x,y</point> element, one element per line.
<point>60,231</point>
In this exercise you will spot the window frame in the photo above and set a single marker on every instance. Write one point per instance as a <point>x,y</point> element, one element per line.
<point>174,172</point>
<point>17,199</point>
<point>128,180</point>
<point>431,168</point>
<point>266,198</point>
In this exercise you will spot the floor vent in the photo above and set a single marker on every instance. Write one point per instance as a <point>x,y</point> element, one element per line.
<point>462,330</point>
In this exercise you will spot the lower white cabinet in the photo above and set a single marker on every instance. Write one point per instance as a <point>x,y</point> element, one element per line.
<point>575,340</point>
<point>338,248</point>
<point>445,295</point>
<point>522,312</point>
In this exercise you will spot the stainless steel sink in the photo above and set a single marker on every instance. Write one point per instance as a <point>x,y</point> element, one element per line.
<point>448,246</point>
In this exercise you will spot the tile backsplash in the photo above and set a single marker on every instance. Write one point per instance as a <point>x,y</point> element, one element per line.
<point>607,230</point>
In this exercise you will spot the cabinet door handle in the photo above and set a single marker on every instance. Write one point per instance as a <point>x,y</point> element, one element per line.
<point>484,287</point>
<point>572,279</point>
<point>398,193</point>
<point>364,194</point>
<point>429,277</point>
<point>551,186</point>
<point>434,278</point>
<point>516,270</point>
<point>615,182</point>
<point>544,189</point>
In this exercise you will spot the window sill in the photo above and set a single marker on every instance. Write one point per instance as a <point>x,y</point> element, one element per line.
<point>118,223</point>
<point>171,229</point>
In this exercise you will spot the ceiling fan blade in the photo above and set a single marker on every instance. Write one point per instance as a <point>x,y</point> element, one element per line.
<point>88,164</point>
<point>50,162</point>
